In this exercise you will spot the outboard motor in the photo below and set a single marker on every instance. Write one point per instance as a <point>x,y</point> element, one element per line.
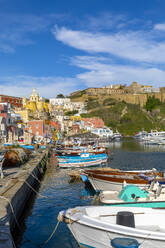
<point>125,218</point>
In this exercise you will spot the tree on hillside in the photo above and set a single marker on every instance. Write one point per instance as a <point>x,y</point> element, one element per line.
<point>152,103</point>
<point>73,112</point>
<point>60,96</point>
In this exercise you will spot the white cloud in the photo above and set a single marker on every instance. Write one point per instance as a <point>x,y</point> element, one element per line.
<point>100,74</point>
<point>46,86</point>
<point>160,26</point>
<point>133,45</point>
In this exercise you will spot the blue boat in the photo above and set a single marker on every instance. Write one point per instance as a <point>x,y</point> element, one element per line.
<point>27,147</point>
<point>31,147</point>
<point>83,157</point>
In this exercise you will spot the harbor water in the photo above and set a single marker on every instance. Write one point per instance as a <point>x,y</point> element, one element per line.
<point>57,193</point>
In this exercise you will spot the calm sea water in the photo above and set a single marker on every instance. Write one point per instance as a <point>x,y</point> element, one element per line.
<point>40,218</point>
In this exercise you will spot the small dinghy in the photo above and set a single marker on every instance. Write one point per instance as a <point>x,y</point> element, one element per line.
<point>97,226</point>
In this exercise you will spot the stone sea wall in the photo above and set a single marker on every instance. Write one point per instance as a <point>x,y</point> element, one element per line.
<point>15,194</point>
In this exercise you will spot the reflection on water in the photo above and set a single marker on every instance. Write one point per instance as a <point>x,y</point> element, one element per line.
<point>87,192</point>
<point>42,218</point>
<point>131,144</point>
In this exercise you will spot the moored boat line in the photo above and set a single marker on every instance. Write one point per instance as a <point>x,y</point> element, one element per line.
<point>84,221</point>
<point>82,155</point>
<point>81,229</point>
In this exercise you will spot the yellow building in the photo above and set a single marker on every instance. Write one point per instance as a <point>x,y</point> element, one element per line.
<point>24,114</point>
<point>75,118</point>
<point>34,103</point>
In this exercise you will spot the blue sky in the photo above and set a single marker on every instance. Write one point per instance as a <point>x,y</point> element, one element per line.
<point>62,46</point>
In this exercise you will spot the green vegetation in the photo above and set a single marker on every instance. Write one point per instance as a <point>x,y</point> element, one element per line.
<point>78,94</point>
<point>152,103</point>
<point>109,102</point>
<point>128,119</point>
<point>92,103</point>
<point>70,113</point>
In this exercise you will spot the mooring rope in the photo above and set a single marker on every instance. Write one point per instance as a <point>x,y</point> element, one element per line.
<point>51,235</point>
<point>37,193</point>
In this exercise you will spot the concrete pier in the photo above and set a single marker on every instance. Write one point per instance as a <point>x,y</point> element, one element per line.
<point>15,190</point>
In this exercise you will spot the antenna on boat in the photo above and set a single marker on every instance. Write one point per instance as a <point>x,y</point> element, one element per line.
<point>124,184</point>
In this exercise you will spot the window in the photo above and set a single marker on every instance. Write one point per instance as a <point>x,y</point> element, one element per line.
<point>37,125</point>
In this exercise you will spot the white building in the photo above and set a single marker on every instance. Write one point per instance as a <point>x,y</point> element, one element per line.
<point>66,104</point>
<point>103,132</point>
<point>150,89</point>
<point>59,101</point>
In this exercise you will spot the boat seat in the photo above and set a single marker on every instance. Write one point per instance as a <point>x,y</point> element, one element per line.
<point>92,213</point>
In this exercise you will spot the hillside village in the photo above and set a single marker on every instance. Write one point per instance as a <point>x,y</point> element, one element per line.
<point>42,120</point>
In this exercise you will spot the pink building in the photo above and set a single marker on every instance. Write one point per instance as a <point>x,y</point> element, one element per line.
<point>36,128</point>
<point>94,122</point>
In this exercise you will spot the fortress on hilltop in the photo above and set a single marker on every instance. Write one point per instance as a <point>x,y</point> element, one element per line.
<point>134,94</point>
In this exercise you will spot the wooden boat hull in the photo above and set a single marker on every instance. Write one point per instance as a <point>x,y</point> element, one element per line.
<point>104,185</point>
<point>82,164</point>
<point>82,159</point>
<point>114,180</point>
<point>76,153</point>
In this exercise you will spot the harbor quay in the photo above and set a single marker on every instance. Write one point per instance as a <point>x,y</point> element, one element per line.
<point>15,190</point>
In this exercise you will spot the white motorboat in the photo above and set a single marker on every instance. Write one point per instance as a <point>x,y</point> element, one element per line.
<point>97,226</point>
<point>116,136</point>
<point>132,196</point>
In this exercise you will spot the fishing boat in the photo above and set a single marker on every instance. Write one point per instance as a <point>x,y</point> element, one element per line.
<point>114,180</point>
<point>133,196</point>
<point>97,226</point>
<point>82,157</point>
<point>72,152</point>
<point>81,164</point>
<point>76,150</point>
